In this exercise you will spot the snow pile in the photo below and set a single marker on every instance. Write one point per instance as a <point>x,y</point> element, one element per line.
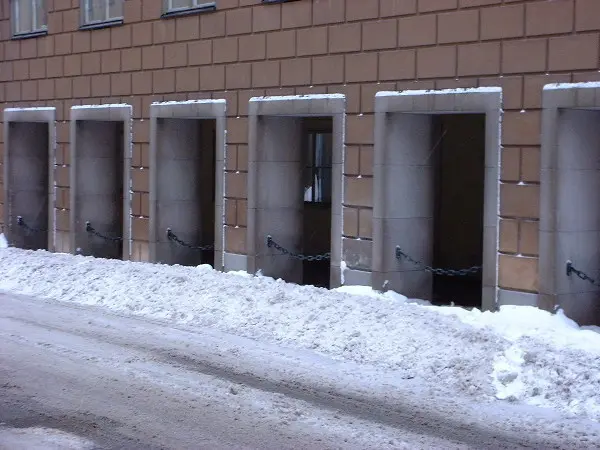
<point>550,360</point>
<point>519,354</point>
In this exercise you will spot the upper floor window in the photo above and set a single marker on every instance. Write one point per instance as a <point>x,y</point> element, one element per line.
<point>101,11</point>
<point>29,16</point>
<point>176,6</point>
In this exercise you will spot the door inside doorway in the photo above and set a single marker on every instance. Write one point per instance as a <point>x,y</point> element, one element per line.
<point>459,201</point>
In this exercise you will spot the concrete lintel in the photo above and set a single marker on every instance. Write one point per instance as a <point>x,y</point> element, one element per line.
<point>298,105</point>
<point>36,114</point>
<point>40,114</point>
<point>209,109</point>
<point>109,112</point>
<point>114,112</point>
<point>192,109</point>
<point>571,95</point>
<point>445,101</point>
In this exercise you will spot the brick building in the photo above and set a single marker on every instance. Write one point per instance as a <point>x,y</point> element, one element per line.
<point>349,127</point>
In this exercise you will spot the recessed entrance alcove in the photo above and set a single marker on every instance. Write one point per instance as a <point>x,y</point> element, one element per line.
<point>100,222</point>
<point>436,194</point>
<point>29,136</point>
<point>186,182</point>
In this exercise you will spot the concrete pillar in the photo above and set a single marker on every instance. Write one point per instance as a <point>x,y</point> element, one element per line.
<point>405,218</point>
<point>280,199</point>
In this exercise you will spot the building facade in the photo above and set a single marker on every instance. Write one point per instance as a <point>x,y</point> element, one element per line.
<point>459,133</point>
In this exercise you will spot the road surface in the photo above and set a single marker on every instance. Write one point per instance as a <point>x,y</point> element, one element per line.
<point>113,382</point>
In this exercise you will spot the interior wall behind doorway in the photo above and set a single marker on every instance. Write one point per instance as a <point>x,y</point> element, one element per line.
<point>459,202</point>
<point>459,190</point>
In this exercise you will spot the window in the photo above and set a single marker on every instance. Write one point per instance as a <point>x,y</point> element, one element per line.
<point>101,11</point>
<point>317,171</point>
<point>174,7</point>
<point>29,17</point>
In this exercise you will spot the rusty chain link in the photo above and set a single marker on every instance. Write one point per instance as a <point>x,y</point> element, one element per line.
<point>581,275</point>
<point>23,224</point>
<point>272,244</point>
<point>438,271</point>
<point>91,230</point>
<point>173,237</point>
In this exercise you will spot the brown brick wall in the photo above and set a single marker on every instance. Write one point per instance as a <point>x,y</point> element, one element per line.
<point>355,47</point>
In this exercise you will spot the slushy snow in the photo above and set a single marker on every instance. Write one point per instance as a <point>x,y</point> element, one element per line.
<point>518,354</point>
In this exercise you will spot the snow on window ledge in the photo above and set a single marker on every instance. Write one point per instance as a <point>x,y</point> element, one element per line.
<point>29,34</point>
<point>178,12</point>
<point>97,25</point>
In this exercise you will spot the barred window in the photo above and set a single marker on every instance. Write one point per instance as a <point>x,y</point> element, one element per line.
<point>29,16</point>
<point>171,6</point>
<point>99,11</point>
<point>317,171</point>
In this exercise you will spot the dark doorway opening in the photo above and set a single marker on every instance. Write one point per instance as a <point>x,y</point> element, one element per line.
<point>28,185</point>
<point>99,188</point>
<point>459,200</point>
<point>317,176</point>
<point>185,191</point>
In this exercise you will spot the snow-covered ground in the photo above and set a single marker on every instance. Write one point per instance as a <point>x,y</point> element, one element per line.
<point>39,438</point>
<point>518,354</point>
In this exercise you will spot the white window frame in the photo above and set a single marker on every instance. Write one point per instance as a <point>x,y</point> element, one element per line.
<point>196,4</point>
<point>35,26</point>
<point>85,11</point>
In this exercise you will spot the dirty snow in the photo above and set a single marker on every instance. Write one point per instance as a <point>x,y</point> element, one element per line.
<point>40,438</point>
<point>518,354</point>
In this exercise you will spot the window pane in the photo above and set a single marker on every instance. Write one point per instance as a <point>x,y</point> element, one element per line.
<point>323,150</point>
<point>95,10</point>
<point>115,9</point>
<point>179,4</point>
<point>323,192</point>
<point>41,14</point>
<point>23,14</point>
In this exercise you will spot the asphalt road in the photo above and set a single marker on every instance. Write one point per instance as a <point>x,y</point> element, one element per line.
<point>126,383</point>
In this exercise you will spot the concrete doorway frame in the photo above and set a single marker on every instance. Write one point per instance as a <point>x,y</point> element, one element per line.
<point>38,115</point>
<point>109,113</point>
<point>486,101</point>
<point>297,106</point>
<point>563,221</point>
<point>192,109</point>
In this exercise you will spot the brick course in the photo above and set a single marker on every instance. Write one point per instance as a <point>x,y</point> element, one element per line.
<point>355,47</point>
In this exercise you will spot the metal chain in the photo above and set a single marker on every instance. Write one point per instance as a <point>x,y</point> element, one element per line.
<point>580,274</point>
<point>272,244</point>
<point>173,237</point>
<point>91,230</point>
<point>437,271</point>
<point>29,229</point>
